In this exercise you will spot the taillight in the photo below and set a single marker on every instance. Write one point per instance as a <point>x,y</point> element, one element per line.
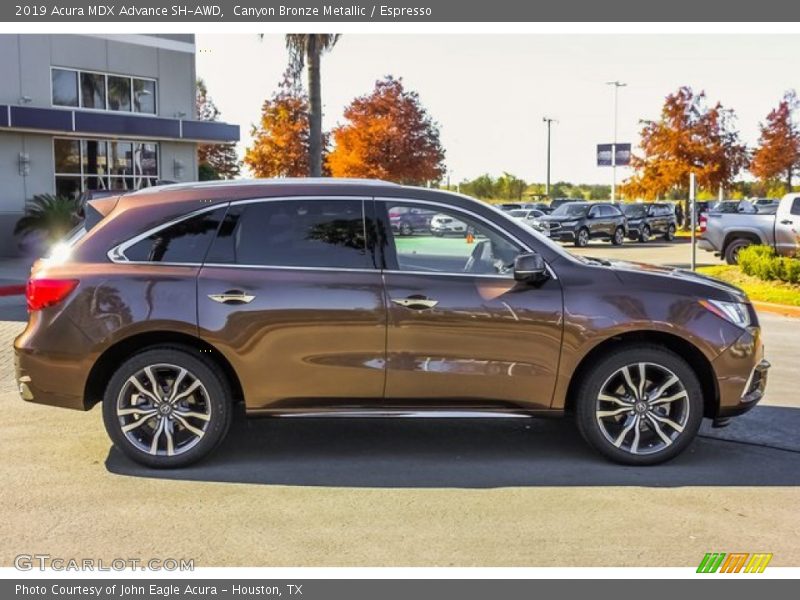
<point>703,223</point>
<point>41,293</point>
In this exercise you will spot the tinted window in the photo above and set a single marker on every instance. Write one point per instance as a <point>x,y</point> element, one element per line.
<point>65,87</point>
<point>184,242</point>
<point>454,243</point>
<point>294,233</point>
<point>795,210</point>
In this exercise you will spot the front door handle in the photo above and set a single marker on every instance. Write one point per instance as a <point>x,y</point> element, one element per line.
<point>232,297</point>
<point>787,222</point>
<point>415,302</point>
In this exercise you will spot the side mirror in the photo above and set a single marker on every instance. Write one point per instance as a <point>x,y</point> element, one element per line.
<point>530,267</point>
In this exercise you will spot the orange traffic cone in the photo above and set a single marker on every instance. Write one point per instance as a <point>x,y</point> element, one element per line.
<point>470,238</point>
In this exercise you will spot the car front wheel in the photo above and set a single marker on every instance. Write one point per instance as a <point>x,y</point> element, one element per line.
<point>670,234</point>
<point>640,406</point>
<point>582,238</point>
<point>167,408</point>
<point>644,235</point>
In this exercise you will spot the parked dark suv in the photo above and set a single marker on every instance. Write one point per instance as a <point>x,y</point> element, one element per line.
<point>647,220</point>
<point>296,298</point>
<point>408,221</point>
<point>579,222</point>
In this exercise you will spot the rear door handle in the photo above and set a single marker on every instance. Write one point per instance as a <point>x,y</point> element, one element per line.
<point>415,302</point>
<point>787,222</point>
<point>232,297</point>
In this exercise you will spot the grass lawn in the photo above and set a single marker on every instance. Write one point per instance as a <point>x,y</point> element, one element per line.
<point>778,292</point>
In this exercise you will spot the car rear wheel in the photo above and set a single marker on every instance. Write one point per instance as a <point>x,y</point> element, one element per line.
<point>582,238</point>
<point>166,408</point>
<point>733,249</point>
<point>619,236</point>
<point>641,406</point>
<point>670,234</point>
<point>644,234</point>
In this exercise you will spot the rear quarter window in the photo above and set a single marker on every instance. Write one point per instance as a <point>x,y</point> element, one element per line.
<point>186,241</point>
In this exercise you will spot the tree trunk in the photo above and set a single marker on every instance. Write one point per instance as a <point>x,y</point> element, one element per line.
<point>314,109</point>
<point>789,181</point>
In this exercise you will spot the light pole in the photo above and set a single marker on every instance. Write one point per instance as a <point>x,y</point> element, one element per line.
<point>549,121</point>
<point>617,85</point>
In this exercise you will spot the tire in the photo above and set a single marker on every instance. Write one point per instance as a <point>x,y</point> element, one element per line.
<point>207,409</point>
<point>732,250</point>
<point>644,234</point>
<point>670,234</point>
<point>406,229</point>
<point>619,237</point>
<point>582,238</point>
<point>631,437</point>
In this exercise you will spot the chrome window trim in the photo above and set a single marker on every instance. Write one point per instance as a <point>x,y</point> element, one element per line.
<point>291,268</point>
<point>117,253</point>
<point>494,226</point>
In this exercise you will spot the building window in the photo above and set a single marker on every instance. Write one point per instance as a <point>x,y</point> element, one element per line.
<point>82,165</point>
<point>103,91</point>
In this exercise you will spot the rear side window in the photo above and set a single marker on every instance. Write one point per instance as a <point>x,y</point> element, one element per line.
<point>795,210</point>
<point>293,233</point>
<point>184,242</point>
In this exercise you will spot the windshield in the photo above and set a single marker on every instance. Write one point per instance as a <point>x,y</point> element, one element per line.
<point>570,210</point>
<point>634,210</point>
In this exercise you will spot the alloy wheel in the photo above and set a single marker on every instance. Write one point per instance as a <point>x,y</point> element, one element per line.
<point>163,410</point>
<point>642,408</point>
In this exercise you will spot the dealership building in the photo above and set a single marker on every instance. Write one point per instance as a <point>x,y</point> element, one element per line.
<point>96,112</point>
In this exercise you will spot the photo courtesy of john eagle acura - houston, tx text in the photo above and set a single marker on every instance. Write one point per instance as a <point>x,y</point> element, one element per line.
<point>172,304</point>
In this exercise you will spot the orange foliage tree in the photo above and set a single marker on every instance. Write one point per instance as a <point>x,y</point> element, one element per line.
<point>778,152</point>
<point>281,140</point>
<point>687,138</point>
<point>388,135</point>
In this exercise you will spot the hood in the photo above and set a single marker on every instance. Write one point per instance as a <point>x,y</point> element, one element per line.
<point>558,218</point>
<point>630,272</point>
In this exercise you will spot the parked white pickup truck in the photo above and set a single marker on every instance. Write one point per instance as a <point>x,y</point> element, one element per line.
<point>726,234</point>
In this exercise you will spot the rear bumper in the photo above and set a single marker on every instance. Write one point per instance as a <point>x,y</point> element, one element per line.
<point>704,244</point>
<point>45,378</point>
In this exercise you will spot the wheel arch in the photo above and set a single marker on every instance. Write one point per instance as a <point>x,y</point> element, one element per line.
<point>745,234</point>
<point>697,361</point>
<point>123,349</point>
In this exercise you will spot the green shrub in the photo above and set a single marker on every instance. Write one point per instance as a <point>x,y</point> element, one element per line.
<point>762,262</point>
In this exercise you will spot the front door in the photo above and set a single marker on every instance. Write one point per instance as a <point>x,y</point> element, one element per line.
<point>290,294</point>
<point>462,332</point>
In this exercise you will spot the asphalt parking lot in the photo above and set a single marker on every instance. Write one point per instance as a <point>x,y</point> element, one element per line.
<point>375,492</point>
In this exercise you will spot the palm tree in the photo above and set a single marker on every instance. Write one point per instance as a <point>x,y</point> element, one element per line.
<point>51,216</point>
<point>305,49</point>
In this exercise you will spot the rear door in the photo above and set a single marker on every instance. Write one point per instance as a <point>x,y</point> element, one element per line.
<point>290,294</point>
<point>787,227</point>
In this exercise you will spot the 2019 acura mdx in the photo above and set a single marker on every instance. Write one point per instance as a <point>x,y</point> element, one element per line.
<point>302,298</point>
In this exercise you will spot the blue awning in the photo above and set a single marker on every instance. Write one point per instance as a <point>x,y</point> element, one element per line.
<point>95,123</point>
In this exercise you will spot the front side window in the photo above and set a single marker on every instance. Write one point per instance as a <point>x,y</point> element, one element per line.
<point>455,243</point>
<point>795,210</point>
<point>184,242</point>
<point>294,233</point>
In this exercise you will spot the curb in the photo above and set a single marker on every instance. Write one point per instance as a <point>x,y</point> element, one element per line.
<point>779,309</point>
<point>12,290</point>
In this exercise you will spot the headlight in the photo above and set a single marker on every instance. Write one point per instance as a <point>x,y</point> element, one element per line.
<point>569,223</point>
<point>735,312</point>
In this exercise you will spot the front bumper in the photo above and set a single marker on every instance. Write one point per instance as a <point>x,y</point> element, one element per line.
<point>559,234</point>
<point>741,374</point>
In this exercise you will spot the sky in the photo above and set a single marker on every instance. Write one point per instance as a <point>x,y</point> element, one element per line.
<point>489,93</point>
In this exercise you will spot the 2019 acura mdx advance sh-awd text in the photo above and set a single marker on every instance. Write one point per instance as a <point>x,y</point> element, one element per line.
<point>169,305</point>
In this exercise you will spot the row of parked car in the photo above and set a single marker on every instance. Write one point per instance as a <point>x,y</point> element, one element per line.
<point>578,221</point>
<point>564,219</point>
